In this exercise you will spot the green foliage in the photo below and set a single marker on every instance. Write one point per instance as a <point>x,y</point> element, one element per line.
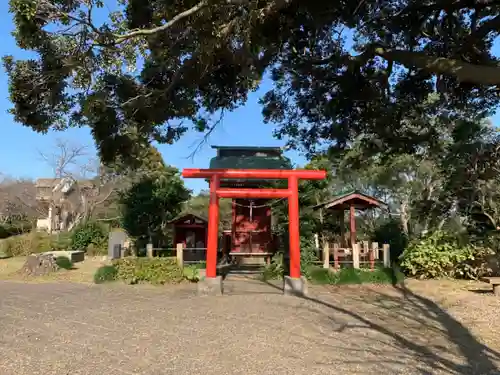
<point>198,205</point>
<point>151,202</point>
<point>9,230</point>
<point>61,241</point>
<point>390,232</point>
<point>90,233</point>
<point>308,257</point>
<point>154,271</point>
<point>275,270</point>
<point>191,273</point>
<point>26,244</point>
<point>105,274</point>
<point>355,276</point>
<point>64,262</point>
<point>438,255</point>
<point>280,266</point>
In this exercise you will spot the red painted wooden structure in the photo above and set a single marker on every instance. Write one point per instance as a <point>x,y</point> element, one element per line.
<point>190,230</point>
<point>251,227</point>
<point>216,175</point>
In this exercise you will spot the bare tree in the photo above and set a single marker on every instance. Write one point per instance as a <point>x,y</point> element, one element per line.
<point>79,184</point>
<point>17,199</point>
<point>66,159</point>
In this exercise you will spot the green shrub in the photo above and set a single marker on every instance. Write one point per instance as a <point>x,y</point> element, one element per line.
<point>150,270</point>
<point>26,244</point>
<point>355,276</point>
<point>200,265</point>
<point>5,251</point>
<point>89,234</point>
<point>64,262</point>
<point>105,274</point>
<point>9,230</point>
<point>275,270</point>
<point>390,232</point>
<point>192,273</point>
<point>61,241</point>
<point>437,255</point>
<point>321,276</point>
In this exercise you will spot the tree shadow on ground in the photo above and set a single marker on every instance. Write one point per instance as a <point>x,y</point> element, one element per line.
<point>396,329</point>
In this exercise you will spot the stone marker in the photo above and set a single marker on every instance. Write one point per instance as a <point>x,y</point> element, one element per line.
<point>115,243</point>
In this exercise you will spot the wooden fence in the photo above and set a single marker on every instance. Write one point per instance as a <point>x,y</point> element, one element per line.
<point>358,256</point>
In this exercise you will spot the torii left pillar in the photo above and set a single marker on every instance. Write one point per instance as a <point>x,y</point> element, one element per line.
<point>293,284</point>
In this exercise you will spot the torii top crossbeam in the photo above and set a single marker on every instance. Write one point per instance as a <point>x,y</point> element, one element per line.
<point>256,174</point>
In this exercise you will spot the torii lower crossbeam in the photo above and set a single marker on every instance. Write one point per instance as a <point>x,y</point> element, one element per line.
<point>292,193</point>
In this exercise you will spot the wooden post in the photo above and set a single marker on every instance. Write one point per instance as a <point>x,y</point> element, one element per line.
<point>387,255</point>
<point>179,252</point>
<point>352,224</point>
<point>376,255</point>
<point>366,246</point>
<point>326,255</point>
<point>336,256</point>
<point>342,229</point>
<point>149,250</point>
<point>355,255</point>
<point>365,252</point>
<point>372,258</point>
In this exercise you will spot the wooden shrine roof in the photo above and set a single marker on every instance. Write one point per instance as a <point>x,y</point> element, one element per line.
<point>345,200</point>
<point>189,218</point>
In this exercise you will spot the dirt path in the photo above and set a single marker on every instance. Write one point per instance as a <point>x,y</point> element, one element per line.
<point>252,330</point>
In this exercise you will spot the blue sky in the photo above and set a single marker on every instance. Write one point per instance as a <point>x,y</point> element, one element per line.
<point>20,146</point>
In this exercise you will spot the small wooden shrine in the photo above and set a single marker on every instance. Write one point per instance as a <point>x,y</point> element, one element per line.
<point>349,201</point>
<point>190,230</point>
<point>250,235</point>
<point>348,250</point>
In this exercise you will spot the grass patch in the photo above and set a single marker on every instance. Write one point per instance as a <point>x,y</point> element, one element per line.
<point>105,274</point>
<point>346,276</point>
<point>81,272</point>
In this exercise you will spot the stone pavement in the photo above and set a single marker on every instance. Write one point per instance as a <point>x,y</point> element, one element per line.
<point>252,330</point>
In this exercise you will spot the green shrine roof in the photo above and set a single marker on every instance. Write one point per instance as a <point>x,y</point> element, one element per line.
<point>239,157</point>
<point>244,157</point>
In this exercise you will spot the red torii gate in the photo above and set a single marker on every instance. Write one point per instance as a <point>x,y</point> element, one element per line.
<point>216,192</point>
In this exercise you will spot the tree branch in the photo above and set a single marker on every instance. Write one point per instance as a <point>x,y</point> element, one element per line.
<point>463,71</point>
<point>146,32</point>
<point>486,27</point>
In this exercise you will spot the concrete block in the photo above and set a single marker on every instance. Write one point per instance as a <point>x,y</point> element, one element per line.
<point>294,286</point>
<point>210,286</point>
<point>75,256</point>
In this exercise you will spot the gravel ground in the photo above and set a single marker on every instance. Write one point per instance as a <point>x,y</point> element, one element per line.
<point>426,328</point>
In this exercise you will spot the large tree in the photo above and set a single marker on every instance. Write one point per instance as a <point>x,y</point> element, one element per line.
<point>149,203</point>
<point>147,69</point>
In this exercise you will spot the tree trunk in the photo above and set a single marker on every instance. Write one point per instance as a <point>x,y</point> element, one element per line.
<point>404,217</point>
